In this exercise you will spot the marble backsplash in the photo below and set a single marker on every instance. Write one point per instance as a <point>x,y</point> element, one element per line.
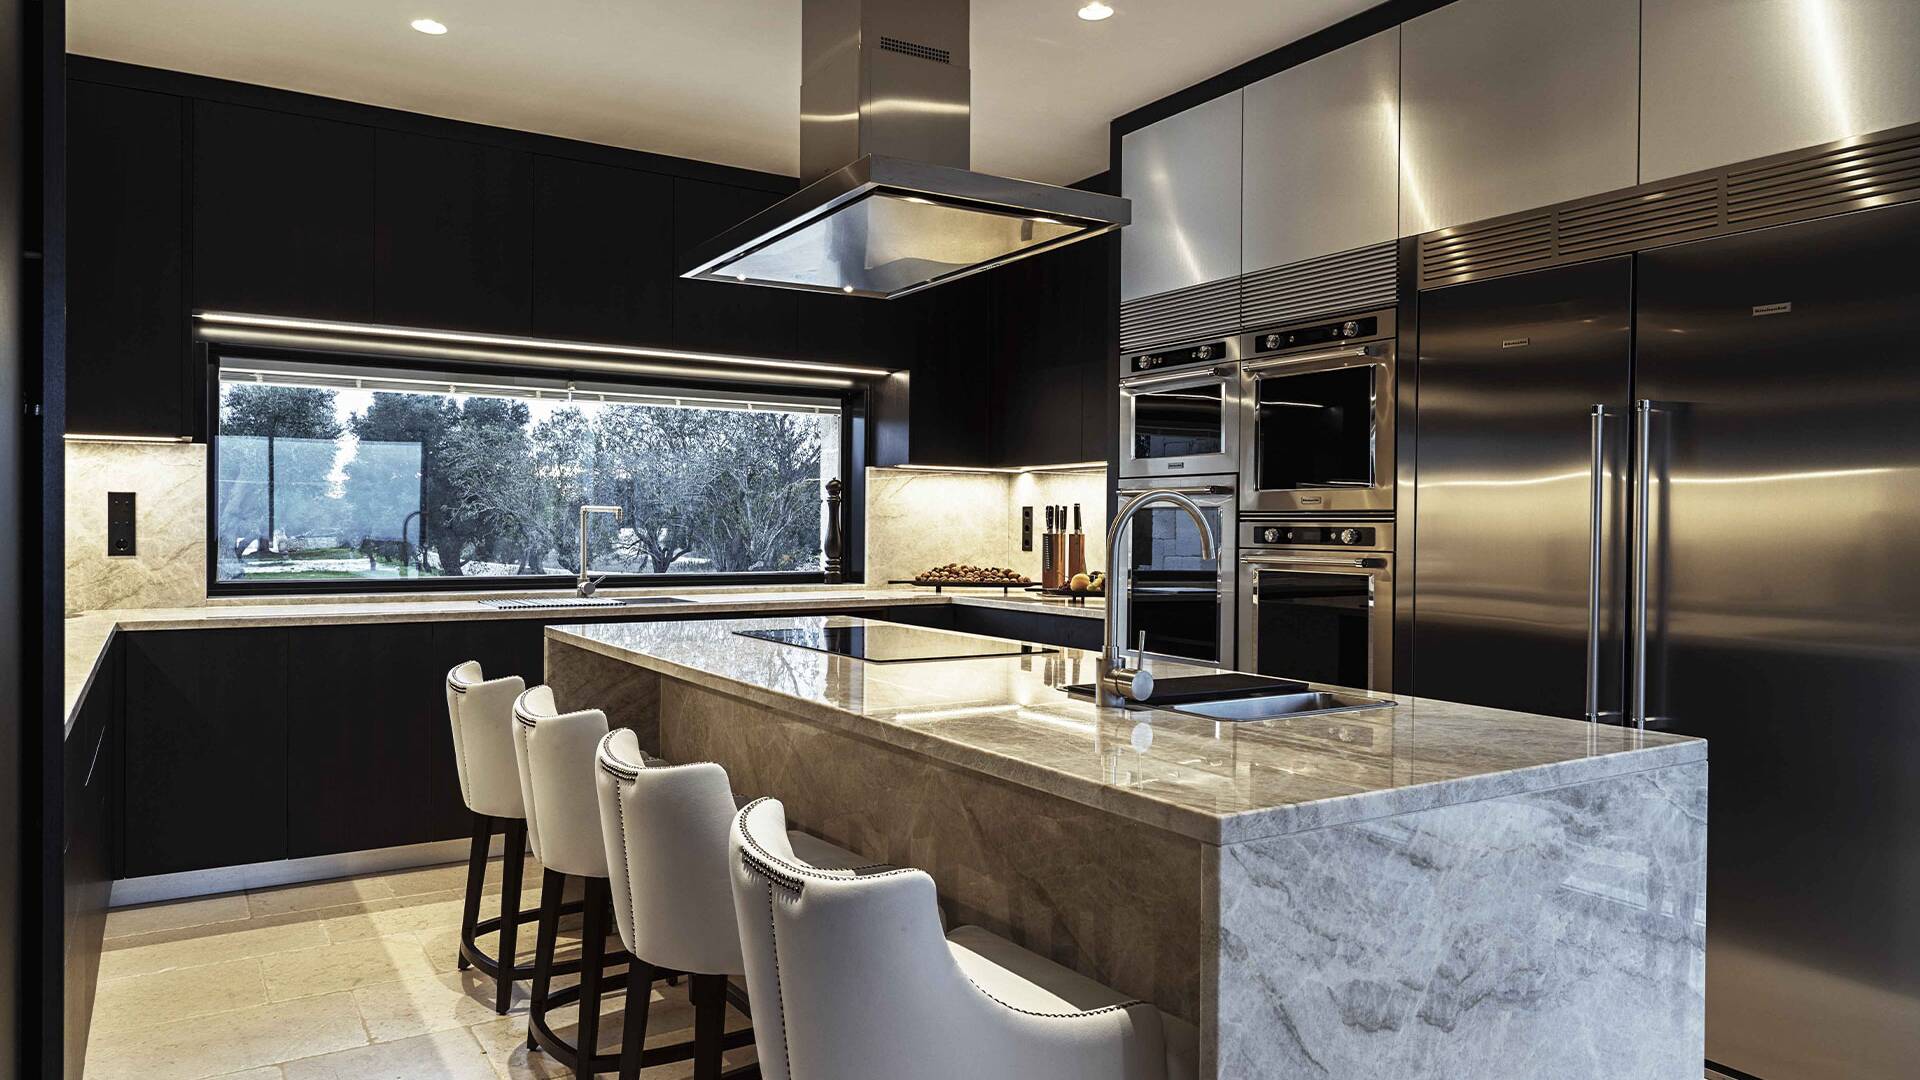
<point>918,519</point>
<point>169,482</point>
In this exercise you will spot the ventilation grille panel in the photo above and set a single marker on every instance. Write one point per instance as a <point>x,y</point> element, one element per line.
<point>1197,311</point>
<point>1347,281</point>
<point>1852,174</point>
<point>915,50</point>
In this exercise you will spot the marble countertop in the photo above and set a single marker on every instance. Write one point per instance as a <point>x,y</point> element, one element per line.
<point>1220,783</point>
<point>87,634</point>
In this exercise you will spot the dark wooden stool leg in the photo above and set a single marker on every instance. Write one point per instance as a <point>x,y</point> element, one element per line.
<point>593,948</point>
<point>552,885</point>
<point>709,994</point>
<point>515,860</point>
<point>633,1039</point>
<point>476,881</point>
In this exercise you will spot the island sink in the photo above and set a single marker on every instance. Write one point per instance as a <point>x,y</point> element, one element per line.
<point>1279,706</point>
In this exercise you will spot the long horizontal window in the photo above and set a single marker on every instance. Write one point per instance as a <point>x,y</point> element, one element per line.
<point>338,473</point>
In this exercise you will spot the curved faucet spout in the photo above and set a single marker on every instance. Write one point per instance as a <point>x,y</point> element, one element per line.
<point>1116,684</point>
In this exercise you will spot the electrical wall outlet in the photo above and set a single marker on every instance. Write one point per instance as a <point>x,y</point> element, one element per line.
<point>120,536</point>
<point>1026,528</point>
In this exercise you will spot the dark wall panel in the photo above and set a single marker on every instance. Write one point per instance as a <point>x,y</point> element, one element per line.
<point>453,234</point>
<point>602,253</point>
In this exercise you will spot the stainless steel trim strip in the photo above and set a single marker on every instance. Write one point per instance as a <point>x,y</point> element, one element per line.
<point>1197,311</point>
<point>128,892</point>
<point>1596,499</point>
<point>1877,169</point>
<point>1643,441</point>
<point>1189,489</point>
<point>1251,366</point>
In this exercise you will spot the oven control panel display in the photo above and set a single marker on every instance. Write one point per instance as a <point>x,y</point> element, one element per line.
<point>1362,536</point>
<point>1193,354</point>
<point>1317,335</point>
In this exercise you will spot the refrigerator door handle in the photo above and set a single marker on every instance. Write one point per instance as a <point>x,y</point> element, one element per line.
<point>1643,411</point>
<point>1595,532</point>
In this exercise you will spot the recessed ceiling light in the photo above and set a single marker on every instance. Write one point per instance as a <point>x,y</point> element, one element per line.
<point>1094,11</point>
<point>436,27</point>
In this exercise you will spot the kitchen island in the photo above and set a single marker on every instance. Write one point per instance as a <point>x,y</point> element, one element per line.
<point>1429,890</point>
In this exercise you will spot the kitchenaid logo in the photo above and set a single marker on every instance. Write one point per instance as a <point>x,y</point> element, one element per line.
<point>1176,464</point>
<point>1312,500</point>
<point>1771,309</point>
<point>1516,343</point>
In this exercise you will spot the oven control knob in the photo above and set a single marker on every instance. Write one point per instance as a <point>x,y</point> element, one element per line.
<point>1349,536</point>
<point>1349,329</point>
<point>1204,352</point>
<point>1269,536</point>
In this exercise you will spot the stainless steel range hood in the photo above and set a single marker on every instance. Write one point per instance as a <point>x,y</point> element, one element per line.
<point>889,207</point>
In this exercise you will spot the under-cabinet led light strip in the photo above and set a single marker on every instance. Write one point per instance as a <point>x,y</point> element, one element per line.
<point>462,337</point>
<point>1003,470</point>
<point>241,373</point>
<point>105,437</point>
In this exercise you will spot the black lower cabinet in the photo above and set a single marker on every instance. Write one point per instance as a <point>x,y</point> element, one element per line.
<point>91,825</point>
<point>505,647</point>
<point>358,747</point>
<point>206,748</point>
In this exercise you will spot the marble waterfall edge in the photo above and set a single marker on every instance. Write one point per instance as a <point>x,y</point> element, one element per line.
<point>1558,933</point>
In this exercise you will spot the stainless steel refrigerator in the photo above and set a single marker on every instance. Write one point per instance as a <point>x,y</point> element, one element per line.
<point>1683,487</point>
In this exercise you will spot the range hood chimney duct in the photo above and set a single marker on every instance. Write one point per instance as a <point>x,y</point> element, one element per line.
<point>888,205</point>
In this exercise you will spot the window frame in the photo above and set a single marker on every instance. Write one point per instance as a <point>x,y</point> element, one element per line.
<point>852,460</point>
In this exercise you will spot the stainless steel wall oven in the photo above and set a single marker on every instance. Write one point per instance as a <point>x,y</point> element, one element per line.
<point>1181,601</point>
<point>1317,413</point>
<point>1316,600</point>
<point>1180,411</point>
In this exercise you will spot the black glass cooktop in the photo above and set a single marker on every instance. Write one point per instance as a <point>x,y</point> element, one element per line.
<point>894,644</point>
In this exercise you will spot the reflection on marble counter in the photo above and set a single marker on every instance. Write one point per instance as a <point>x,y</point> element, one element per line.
<point>1221,783</point>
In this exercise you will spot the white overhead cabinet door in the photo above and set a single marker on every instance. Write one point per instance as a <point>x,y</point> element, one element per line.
<point>1322,154</point>
<point>1731,80</point>
<point>1507,105</point>
<point>1183,175</point>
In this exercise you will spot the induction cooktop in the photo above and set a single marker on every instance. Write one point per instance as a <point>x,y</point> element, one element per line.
<point>894,644</point>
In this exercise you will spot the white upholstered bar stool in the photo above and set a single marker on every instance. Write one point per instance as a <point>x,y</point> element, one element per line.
<point>481,712</point>
<point>866,984</point>
<point>665,828</point>
<point>555,753</point>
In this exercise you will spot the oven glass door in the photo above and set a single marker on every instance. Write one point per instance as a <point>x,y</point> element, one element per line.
<point>1173,594</point>
<point>1316,429</point>
<point>1180,421</point>
<point>1315,625</point>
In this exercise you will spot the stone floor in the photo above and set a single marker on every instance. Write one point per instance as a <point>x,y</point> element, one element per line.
<point>342,979</point>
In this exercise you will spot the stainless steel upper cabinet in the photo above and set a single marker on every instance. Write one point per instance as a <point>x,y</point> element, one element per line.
<point>1507,105</point>
<point>1322,156</point>
<point>1728,80</point>
<point>1183,175</point>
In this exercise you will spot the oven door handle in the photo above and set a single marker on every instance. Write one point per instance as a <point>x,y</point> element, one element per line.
<point>1251,366</point>
<point>1190,489</point>
<point>1308,560</point>
<point>1207,375</point>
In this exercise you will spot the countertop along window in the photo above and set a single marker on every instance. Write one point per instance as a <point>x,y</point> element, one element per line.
<point>336,477</point>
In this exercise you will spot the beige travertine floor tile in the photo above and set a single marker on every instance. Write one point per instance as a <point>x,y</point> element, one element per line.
<point>176,915</point>
<point>446,1055</point>
<point>141,1001</point>
<point>437,878</point>
<point>270,1072</point>
<point>669,1020</point>
<point>319,895</point>
<point>346,965</point>
<point>401,1010</point>
<point>431,911</point>
<point>230,1041</point>
<point>213,948</point>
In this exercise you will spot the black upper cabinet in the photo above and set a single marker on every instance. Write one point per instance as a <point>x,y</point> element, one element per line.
<point>1050,357</point>
<point>952,373</point>
<point>453,234</point>
<point>126,298</point>
<point>707,315</point>
<point>282,213</point>
<point>603,252</point>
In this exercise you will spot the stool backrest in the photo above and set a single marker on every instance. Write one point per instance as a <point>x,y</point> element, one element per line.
<point>665,828</point>
<point>555,753</point>
<point>481,711</point>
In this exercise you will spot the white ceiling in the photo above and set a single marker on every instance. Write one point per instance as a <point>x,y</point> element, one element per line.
<point>716,80</point>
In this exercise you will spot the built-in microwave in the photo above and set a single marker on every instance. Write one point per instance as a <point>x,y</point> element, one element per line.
<point>1317,408</point>
<point>1180,411</point>
<point>1316,600</point>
